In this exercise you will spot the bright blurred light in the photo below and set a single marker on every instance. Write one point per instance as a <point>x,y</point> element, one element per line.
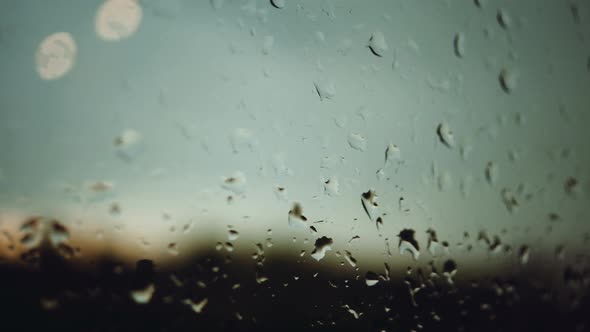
<point>56,56</point>
<point>118,19</point>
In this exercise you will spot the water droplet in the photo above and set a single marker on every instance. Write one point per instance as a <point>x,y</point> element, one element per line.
<point>435,247</point>
<point>504,19</point>
<point>173,249</point>
<point>445,181</point>
<point>354,239</point>
<point>351,260</point>
<point>281,193</point>
<point>480,3</point>
<point>320,36</point>
<point>509,200</point>
<point>280,4</point>
<point>235,183</point>
<point>228,247</point>
<point>296,218</point>
<point>233,235</point>
<point>449,270</point>
<point>325,89</point>
<point>322,245</point>
<point>492,173</point>
<point>198,306</point>
<point>407,243</point>
<point>560,252</point>
<point>56,56</point>
<point>371,278</point>
<point>524,254</point>
<point>128,144</point>
<point>242,139</point>
<point>571,186</point>
<point>357,141</point>
<point>369,202</point>
<point>459,44</point>
<point>268,44</point>
<point>353,312</point>
<point>144,295</point>
<point>508,80</point>
<point>380,174</point>
<point>377,44</point>
<point>332,187</point>
<point>392,153</point>
<point>445,135</point>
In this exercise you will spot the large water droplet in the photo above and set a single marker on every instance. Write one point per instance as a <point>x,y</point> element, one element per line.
<point>325,89</point>
<point>369,203</point>
<point>407,243</point>
<point>280,4</point>
<point>377,44</point>
<point>371,278</point>
<point>332,187</point>
<point>322,245</point>
<point>392,153</point>
<point>357,141</point>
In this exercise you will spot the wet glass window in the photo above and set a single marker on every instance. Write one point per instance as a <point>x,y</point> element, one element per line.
<point>375,165</point>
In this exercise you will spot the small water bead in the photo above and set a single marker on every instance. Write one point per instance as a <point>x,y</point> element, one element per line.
<point>332,187</point>
<point>508,80</point>
<point>459,44</point>
<point>196,307</point>
<point>445,135</point>
<point>235,183</point>
<point>492,173</point>
<point>296,218</point>
<point>143,295</point>
<point>233,235</point>
<point>504,19</point>
<point>325,89</point>
<point>128,144</point>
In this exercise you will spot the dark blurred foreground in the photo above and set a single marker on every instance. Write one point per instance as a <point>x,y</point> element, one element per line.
<point>57,297</point>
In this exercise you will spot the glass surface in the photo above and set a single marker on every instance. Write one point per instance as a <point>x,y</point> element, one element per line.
<point>316,164</point>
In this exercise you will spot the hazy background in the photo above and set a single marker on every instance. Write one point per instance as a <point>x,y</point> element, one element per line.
<point>197,76</point>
